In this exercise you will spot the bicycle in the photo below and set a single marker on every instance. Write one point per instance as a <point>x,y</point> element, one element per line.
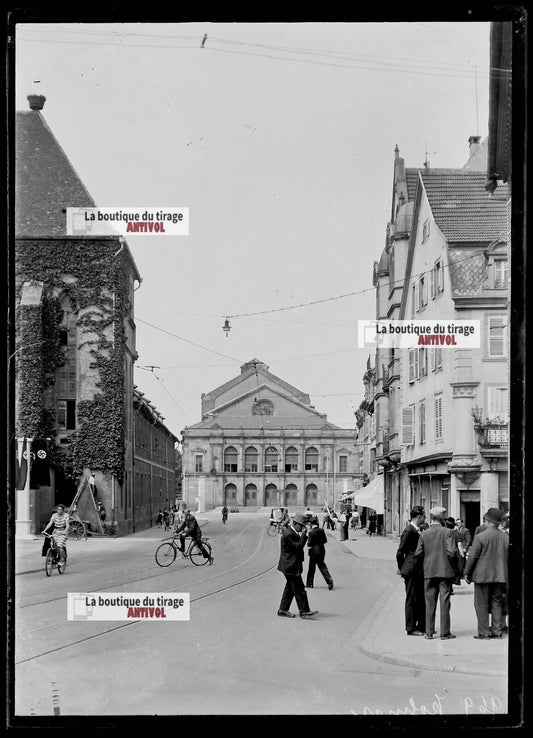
<point>166,553</point>
<point>274,527</point>
<point>56,557</point>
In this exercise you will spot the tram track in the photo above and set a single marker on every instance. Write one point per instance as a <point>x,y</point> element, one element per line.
<point>114,628</point>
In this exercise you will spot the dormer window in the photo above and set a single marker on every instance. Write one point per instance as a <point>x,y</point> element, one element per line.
<point>501,274</point>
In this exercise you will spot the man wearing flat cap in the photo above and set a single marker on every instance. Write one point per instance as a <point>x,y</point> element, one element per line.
<point>487,568</point>
<point>292,547</point>
<point>437,548</point>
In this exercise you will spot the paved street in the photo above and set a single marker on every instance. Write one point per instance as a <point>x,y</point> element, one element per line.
<point>236,656</point>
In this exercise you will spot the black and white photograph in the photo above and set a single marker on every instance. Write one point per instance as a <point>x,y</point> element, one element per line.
<point>265,369</point>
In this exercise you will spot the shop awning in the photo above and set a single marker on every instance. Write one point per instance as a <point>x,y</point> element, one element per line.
<point>371,496</point>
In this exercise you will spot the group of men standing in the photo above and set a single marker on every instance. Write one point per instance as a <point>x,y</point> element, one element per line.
<point>430,558</point>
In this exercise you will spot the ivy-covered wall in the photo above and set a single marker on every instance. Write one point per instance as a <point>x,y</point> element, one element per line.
<point>96,279</point>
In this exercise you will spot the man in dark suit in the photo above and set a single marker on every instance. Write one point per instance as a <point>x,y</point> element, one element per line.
<point>292,547</point>
<point>487,568</point>
<point>412,572</point>
<point>436,549</point>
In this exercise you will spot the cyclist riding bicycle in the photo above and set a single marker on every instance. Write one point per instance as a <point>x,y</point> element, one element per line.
<point>190,527</point>
<point>224,514</point>
<point>59,521</point>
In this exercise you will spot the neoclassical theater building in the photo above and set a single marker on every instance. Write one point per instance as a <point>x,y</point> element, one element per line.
<point>261,443</point>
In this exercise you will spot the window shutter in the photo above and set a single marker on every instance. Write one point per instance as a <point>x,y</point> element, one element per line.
<point>433,358</point>
<point>433,283</point>
<point>438,416</point>
<point>412,365</point>
<point>407,426</point>
<point>496,336</point>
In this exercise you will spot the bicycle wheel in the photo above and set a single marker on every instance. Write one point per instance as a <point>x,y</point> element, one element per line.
<point>49,563</point>
<point>76,530</point>
<point>165,554</point>
<point>196,555</point>
<point>272,530</point>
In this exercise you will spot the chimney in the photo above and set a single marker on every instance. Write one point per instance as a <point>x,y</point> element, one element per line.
<point>36,101</point>
<point>474,144</point>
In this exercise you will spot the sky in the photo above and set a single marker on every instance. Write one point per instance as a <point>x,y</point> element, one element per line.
<point>279,139</point>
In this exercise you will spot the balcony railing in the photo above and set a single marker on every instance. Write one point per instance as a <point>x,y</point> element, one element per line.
<point>493,435</point>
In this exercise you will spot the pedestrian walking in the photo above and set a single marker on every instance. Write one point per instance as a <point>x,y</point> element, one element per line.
<point>436,548</point>
<point>363,517</point>
<point>292,547</point>
<point>224,514</point>
<point>487,568</point>
<point>372,523</point>
<point>159,519</point>
<point>316,541</point>
<point>412,572</point>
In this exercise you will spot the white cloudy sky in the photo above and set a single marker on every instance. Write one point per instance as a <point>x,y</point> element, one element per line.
<point>280,139</point>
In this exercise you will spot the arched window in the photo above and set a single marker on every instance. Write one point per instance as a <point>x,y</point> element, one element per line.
<point>311,459</point>
<point>263,407</point>
<point>230,459</point>
<point>292,495</point>
<point>251,459</point>
<point>291,459</point>
<point>65,380</point>
<point>311,495</point>
<point>271,459</point>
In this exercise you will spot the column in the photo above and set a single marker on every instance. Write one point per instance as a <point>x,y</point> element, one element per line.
<point>489,491</point>
<point>24,497</point>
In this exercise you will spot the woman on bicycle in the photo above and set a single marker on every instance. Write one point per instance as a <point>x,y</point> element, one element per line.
<point>59,522</point>
<point>190,527</point>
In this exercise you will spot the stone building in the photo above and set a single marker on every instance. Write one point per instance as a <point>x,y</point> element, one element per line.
<point>440,414</point>
<point>73,340</point>
<point>261,443</point>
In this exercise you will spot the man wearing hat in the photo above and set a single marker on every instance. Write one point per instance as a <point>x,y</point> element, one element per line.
<point>487,568</point>
<point>292,547</point>
<point>437,548</point>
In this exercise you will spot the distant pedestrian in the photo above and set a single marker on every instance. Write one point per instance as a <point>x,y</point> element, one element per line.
<point>292,546</point>
<point>363,518</point>
<point>487,568</point>
<point>224,514</point>
<point>412,572</point>
<point>372,523</point>
<point>342,525</point>
<point>159,519</point>
<point>354,520</point>
<point>316,541</point>
<point>436,547</point>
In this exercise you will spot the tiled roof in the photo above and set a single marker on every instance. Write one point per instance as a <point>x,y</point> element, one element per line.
<point>462,207</point>
<point>45,180</point>
<point>411,176</point>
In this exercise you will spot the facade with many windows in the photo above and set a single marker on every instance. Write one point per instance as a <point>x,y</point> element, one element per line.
<point>441,413</point>
<point>261,443</point>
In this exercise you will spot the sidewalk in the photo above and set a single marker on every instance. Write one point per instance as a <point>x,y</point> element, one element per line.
<point>386,640</point>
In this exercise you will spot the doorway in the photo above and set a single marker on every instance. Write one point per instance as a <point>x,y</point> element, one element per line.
<point>471,514</point>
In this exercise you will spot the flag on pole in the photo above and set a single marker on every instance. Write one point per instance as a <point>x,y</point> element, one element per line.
<point>40,467</point>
